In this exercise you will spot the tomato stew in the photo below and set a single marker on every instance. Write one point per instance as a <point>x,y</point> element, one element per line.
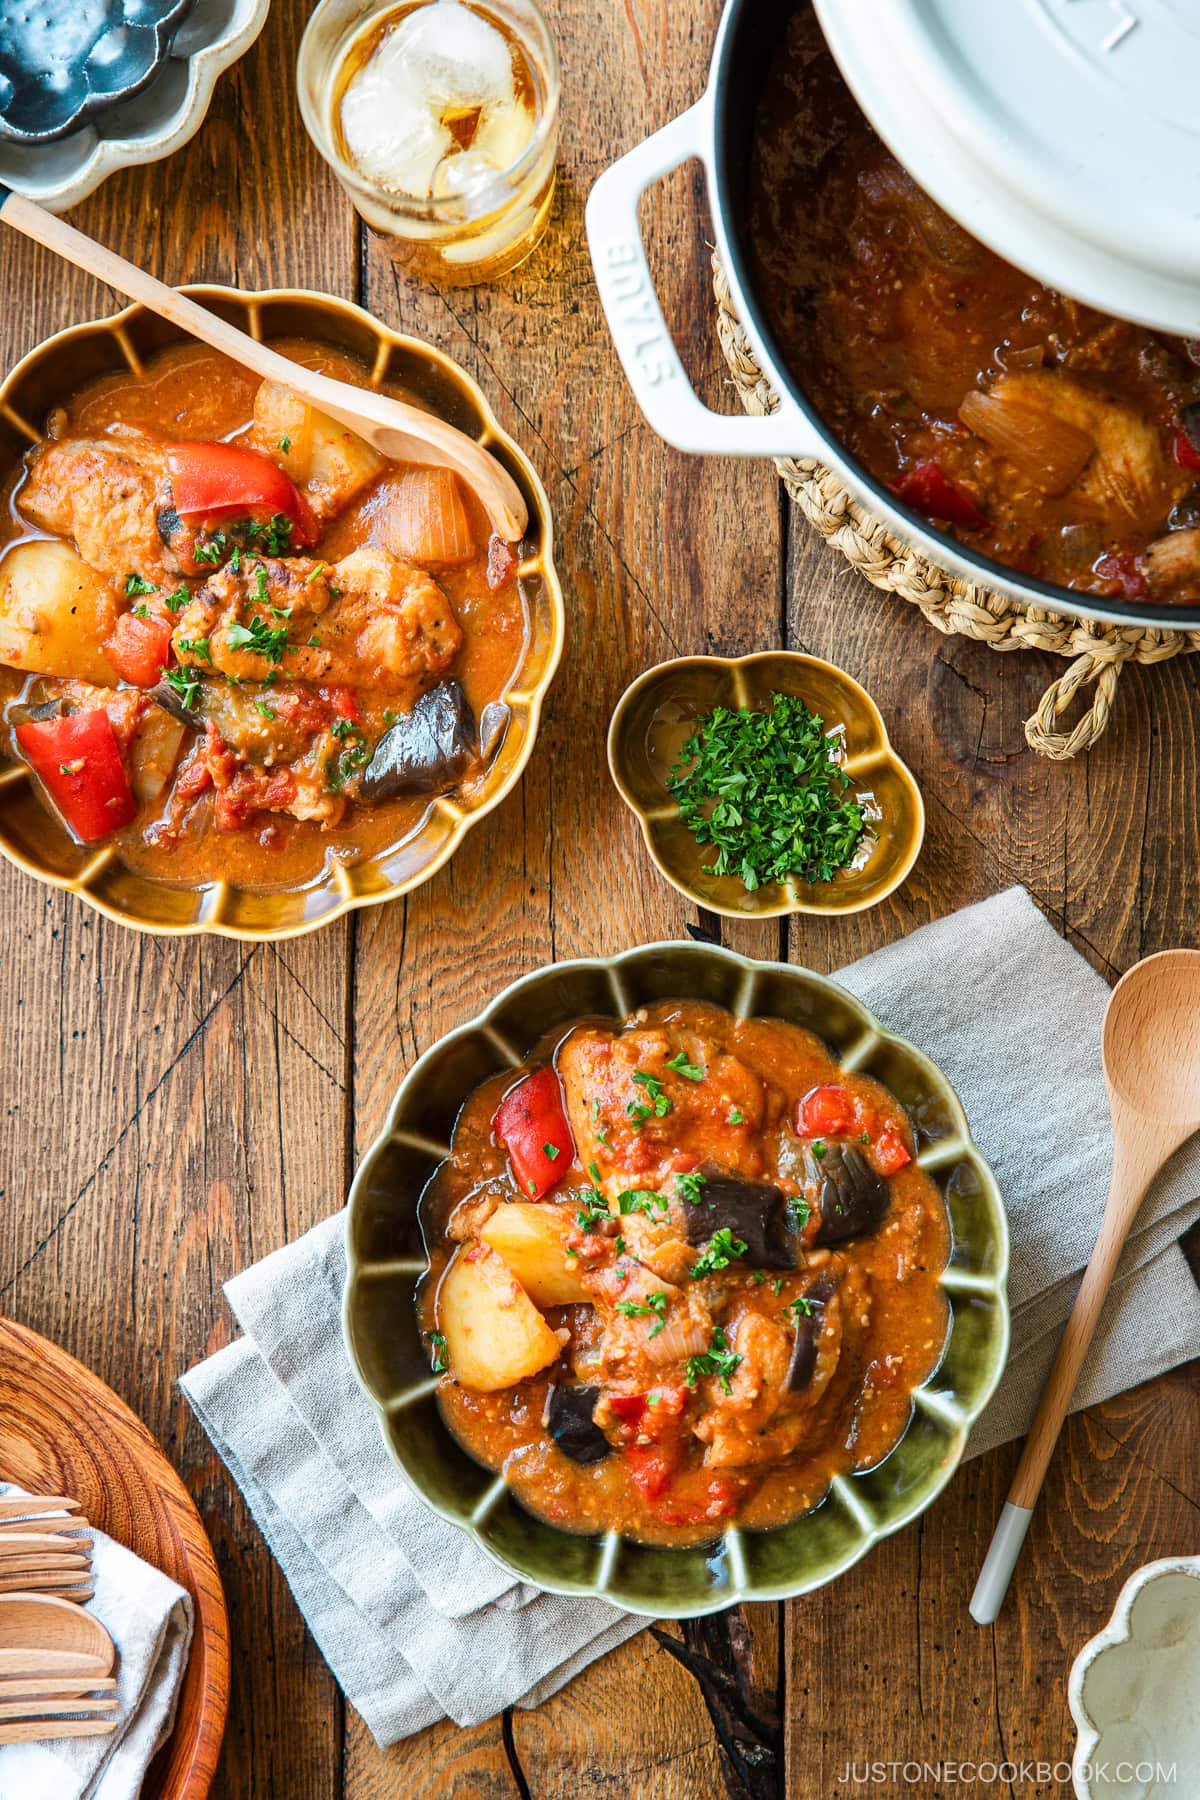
<point>1062,443</point>
<point>233,638</point>
<point>682,1273</point>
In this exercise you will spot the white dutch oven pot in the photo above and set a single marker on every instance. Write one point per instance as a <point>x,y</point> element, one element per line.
<point>1064,133</point>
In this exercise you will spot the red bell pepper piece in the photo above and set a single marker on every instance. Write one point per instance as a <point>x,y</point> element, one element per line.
<point>717,1499</point>
<point>139,648</point>
<point>1126,570</point>
<point>222,481</point>
<point>929,490</point>
<point>532,1126</point>
<point>891,1153</point>
<point>827,1112</point>
<point>78,761</point>
<point>1187,454</point>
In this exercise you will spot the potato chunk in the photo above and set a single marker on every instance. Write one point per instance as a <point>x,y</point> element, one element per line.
<point>328,463</point>
<point>495,1335</point>
<point>532,1240</point>
<point>55,613</point>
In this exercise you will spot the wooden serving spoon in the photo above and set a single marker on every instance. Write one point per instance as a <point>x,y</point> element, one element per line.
<point>1151,1050</point>
<point>398,431</point>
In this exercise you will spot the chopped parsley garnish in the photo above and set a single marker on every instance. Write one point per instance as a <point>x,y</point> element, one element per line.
<point>800,1307</point>
<point>314,643</point>
<point>263,639</point>
<point>799,1209</point>
<point>758,1278</point>
<point>642,1200</point>
<point>212,550</point>
<point>550,1150</point>
<point>736,1117</point>
<point>659,1103</point>
<point>864,1137</point>
<point>656,1304</point>
<point>764,788</point>
<point>718,1360</point>
<point>141,610</point>
<point>440,1361</point>
<point>178,600</point>
<point>275,535</point>
<point>689,1070</point>
<point>592,1212</point>
<point>268,712</point>
<point>343,728</point>
<point>619,1246</point>
<point>722,1249</point>
<point>235,559</point>
<point>285,444</point>
<point>137,584</point>
<point>185,685</point>
<point>818,1149</point>
<point>778,1285</point>
<point>688,1188</point>
<point>355,754</point>
<point>197,647</point>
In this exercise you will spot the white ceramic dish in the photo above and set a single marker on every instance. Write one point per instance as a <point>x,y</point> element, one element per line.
<point>1135,1691</point>
<point>154,122</point>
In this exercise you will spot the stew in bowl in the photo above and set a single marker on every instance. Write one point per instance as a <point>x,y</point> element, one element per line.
<point>245,654</point>
<point>703,1278</point>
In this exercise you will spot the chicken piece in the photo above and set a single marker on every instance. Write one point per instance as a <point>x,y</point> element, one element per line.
<point>643,1123</point>
<point>1173,564</point>
<point>649,1324</point>
<point>368,621</point>
<point>328,463</point>
<point>242,790</point>
<point>751,1423</point>
<point>105,494</point>
<point>1129,469</point>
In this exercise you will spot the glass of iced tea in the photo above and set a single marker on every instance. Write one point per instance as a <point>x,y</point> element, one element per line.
<point>440,119</point>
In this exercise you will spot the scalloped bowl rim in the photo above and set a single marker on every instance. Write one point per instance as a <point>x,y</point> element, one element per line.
<point>1117,1631</point>
<point>995,1286</point>
<point>115,323</point>
<point>791,908</point>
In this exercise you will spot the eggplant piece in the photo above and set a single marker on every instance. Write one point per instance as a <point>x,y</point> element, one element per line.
<point>426,750</point>
<point>568,1419</point>
<point>31,714</point>
<point>755,1211</point>
<point>808,1331</point>
<point>167,696</point>
<point>852,1197</point>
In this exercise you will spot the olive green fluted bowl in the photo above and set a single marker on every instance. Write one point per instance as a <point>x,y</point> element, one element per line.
<point>386,1259</point>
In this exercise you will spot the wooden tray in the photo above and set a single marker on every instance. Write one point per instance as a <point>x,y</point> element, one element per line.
<point>62,1431</point>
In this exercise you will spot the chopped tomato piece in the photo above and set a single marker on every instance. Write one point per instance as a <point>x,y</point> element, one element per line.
<point>223,481</point>
<point>1126,571</point>
<point>827,1112</point>
<point>890,1152</point>
<point>501,561</point>
<point>344,702</point>
<point>1187,454</point>
<point>718,1500</point>
<point>532,1126</point>
<point>929,490</point>
<point>654,1466</point>
<point>139,649</point>
<point>653,1415</point>
<point>78,762</point>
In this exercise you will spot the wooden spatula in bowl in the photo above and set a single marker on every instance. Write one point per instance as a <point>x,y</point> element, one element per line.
<point>397,430</point>
<point>1151,1052</point>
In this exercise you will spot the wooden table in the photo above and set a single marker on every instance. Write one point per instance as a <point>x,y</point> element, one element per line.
<point>175,1110</point>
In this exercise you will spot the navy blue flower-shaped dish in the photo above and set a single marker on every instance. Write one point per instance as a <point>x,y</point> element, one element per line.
<point>63,60</point>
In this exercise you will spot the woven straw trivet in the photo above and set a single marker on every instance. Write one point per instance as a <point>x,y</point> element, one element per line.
<point>1099,652</point>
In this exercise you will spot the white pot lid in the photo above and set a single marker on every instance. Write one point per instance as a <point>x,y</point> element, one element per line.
<point>1064,133</point>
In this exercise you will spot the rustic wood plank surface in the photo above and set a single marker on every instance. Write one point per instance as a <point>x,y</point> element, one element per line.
<point>175,1110</point>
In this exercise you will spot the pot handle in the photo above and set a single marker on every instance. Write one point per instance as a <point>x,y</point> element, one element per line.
<point>635,318</point>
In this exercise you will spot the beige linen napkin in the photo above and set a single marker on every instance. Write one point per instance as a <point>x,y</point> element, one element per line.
<point>149,1618</point>
<point>415,1621</point>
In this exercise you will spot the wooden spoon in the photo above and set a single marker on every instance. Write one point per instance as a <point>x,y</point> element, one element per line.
<point>42,1635</point>
<point>397,430</point>
<point>1151,1051</point>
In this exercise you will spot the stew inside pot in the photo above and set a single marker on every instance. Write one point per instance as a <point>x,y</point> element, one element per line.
<point>1059,441</point>
<point>236,640</point>
<point>683,1271</point>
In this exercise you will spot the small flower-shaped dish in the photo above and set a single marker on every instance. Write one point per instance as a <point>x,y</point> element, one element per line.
<point>89,86</point>
<point>1133,1690</point>
<point>658,712</point>
<point>386,1261</point>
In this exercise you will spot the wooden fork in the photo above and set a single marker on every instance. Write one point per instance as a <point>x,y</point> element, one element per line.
<point>32,1506</point>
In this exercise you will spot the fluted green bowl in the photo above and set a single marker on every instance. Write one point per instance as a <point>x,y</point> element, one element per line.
<point>386,1258</point>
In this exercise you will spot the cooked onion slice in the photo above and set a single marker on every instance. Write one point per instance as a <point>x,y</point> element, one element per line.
<point>1050,451</point>
<point>427,521</point>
